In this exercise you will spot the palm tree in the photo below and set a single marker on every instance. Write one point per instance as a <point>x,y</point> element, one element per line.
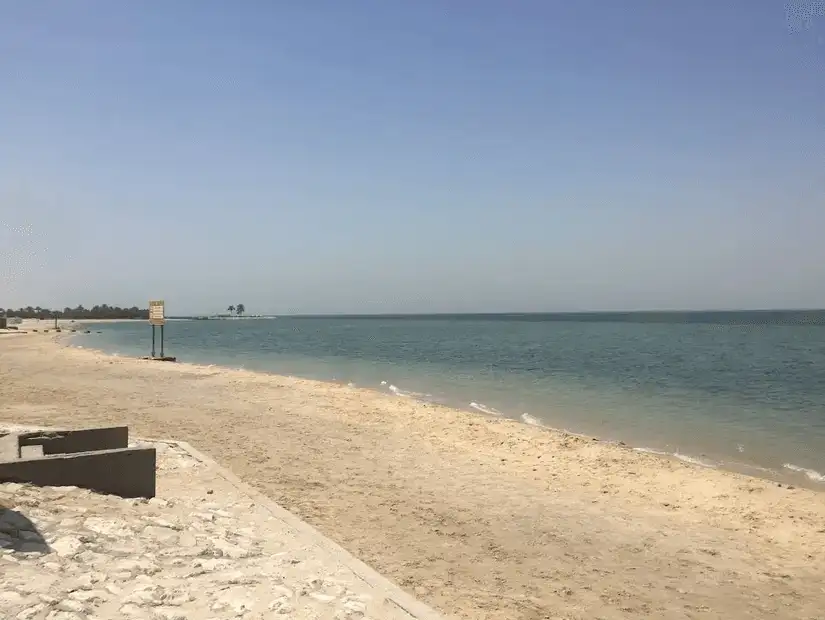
<point>240,309</point>
<point>231,309</point>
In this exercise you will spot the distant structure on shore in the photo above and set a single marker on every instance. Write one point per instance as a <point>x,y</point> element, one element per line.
<point>239,310</point>
<point>225,317</point>
<point>103,311</point>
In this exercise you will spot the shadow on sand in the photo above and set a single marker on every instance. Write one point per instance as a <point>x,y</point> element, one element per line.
<point>18,533</point>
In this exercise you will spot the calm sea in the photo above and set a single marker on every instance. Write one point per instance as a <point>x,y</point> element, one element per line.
<point>744,391</point>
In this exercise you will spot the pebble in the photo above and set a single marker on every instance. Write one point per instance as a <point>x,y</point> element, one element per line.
<point>162,613</point>
<point>281,607</point>
<point>31,612</point>
<point>88,596</point>
<point>67,546</point>
<point>163,534</point>
<point>165,559</point>
<point>68,604</point>
<point>63,615</point>
<point>131,610</point>
<point>10,598</point>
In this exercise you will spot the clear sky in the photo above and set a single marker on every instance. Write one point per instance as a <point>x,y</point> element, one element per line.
<point>399,155</point>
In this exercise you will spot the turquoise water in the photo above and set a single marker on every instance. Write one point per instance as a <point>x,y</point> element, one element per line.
<point>736,394</point>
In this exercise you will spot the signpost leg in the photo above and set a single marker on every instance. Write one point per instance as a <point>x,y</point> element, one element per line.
<point>156,319</point>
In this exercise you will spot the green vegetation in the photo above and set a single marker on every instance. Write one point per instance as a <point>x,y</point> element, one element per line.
<point>240,309</point>
<point>104,311</point>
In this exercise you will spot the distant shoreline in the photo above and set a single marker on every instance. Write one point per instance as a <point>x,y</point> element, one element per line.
<point>790,474</point>
<point>758,317</point>
<point>710,317</point>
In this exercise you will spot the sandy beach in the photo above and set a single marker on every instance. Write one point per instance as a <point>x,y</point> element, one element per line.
<point>479,517</point>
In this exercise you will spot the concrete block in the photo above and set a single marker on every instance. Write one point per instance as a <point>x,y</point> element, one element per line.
<point>128,472</point>
<point>31,452</point>
<point>84,440</point>
<point>9,447</point>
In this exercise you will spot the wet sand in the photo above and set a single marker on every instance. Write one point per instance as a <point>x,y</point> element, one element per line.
<point>479,517</point>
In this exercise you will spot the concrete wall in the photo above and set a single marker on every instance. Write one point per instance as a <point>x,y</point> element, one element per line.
<point>84,440</point>
<point>9,448</point>
<point>126,472</point>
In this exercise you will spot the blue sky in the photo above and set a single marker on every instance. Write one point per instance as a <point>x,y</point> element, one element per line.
<point>383,156</point>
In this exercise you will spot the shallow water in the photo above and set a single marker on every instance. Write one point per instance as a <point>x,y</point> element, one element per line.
<point>745,395</point>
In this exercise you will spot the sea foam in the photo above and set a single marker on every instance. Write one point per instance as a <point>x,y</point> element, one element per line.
<point>812,474</point>
<point>485,409</point>
<point>652,451</point>
<point>531,420</point>
<point>685,458</point>
<point>693,460</point>
<point>408,393</point>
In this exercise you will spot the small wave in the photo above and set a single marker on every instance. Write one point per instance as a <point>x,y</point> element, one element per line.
<point>677,455</point>
<point>652,451</point>
<point>407,394</point>
<point>812,474</point>
<point>350,384</point>
<point>532,421</point>
<point>485,409</point>
<point>383,383</point>
<point>693,460</point>
<point>766,470</point>
<point>740,447</point>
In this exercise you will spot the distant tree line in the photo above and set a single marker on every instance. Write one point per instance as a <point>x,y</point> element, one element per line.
<point>239,309</point>
<point>104,311</point>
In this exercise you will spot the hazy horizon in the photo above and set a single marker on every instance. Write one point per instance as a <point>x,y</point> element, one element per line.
<point>514,313</point>
<point>375,158</point>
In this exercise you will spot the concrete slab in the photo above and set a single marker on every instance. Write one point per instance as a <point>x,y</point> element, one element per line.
<point>127,472</point>
<point>31,452</point>
<point>303,535</point>
<point>77,440</point>
<point>312,538</point>
<point>9,447</point>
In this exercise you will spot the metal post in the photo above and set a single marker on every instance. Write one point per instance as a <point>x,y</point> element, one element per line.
<point>153,341</point>
<point>161,340</point>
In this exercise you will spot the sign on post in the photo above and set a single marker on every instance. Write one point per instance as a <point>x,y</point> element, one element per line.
<point>156,319</point>
<point>156,313</point>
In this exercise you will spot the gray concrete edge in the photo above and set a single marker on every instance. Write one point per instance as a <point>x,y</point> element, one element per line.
<point>393,593</point>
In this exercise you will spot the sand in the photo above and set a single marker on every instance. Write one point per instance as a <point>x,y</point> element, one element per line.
<point>479,517</point>
<point>213,549</point>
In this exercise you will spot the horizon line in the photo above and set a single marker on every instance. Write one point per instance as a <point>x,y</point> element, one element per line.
<point>512,313</point>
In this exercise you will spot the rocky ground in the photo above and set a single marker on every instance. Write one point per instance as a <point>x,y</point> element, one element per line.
<point>202,549</point>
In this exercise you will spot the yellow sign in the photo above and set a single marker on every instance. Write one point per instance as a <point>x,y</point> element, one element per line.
<point>156,313</point>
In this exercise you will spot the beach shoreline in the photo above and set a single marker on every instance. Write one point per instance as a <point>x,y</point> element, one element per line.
<point>789,473</point>
<point>480,516</point>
